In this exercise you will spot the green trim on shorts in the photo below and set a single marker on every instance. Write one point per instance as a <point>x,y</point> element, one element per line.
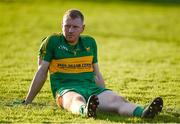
<point>85,93</point>
<point>61,93</point>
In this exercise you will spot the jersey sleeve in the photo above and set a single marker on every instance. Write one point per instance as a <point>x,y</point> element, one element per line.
<point>46,49</point>
<point>95,58</point>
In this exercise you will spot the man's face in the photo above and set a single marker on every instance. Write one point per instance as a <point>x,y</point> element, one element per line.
<point>72,28</point>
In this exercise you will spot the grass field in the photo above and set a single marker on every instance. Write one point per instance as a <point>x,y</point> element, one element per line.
<point>139,55</point>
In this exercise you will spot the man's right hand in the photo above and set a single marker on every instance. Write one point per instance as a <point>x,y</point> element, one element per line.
<point>37,82</point>
<point>25,102</point>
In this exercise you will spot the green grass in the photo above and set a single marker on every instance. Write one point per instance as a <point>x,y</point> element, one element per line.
<point>139,55</point>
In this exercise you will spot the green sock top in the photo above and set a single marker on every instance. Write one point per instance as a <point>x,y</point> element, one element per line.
<point>138,111</point>
<point>82,110</point>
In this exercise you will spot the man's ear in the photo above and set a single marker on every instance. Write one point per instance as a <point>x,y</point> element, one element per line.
<point>83,28</point>
<point>61,24</point>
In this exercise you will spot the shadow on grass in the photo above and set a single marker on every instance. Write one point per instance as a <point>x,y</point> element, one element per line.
<point>5,121</point>
<point>112,117</point>
<point>19,102</point>
<point>164,117</point>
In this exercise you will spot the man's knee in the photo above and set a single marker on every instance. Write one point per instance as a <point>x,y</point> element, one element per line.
<point>67,99</point>
<point>118,99</point>
<point>78,98</point>
<point>115,102</point>
<point>59,100</point>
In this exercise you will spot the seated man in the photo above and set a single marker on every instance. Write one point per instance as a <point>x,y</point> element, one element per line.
<point>76,81</point>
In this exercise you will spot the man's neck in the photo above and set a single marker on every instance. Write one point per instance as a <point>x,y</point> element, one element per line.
<point>73,43</point>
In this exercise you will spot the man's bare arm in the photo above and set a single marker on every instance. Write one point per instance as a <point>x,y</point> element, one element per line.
<point>38,81</point>
<point>98,76</point>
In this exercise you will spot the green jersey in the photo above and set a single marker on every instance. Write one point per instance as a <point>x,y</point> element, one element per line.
<point>71,67</point>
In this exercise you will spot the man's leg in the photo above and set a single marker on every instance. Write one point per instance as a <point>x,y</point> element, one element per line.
<point>71,101</point>
<point>76,103</point>
<point>110,101</point>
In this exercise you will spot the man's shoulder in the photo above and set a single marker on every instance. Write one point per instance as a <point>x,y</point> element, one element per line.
<point>86,39</point>
<point>53,38</point>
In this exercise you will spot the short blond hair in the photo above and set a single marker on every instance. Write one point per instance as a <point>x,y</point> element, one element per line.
<point>74,13</point>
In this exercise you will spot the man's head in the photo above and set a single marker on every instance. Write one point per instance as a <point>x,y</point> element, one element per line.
<point>72,25</point>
